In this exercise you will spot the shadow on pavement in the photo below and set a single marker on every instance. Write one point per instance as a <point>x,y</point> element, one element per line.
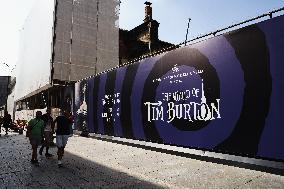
<point>78,172</point>
<point>16,171</point>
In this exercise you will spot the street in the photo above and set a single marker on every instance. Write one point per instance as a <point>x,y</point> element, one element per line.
<point>93,163</point>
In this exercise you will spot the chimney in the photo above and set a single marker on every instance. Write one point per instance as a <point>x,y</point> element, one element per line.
<point>148,11</point>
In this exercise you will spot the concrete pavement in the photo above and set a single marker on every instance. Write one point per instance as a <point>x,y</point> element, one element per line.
<point>93,163</point>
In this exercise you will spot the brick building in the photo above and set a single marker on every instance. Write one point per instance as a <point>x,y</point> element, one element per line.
<point>142,39</point>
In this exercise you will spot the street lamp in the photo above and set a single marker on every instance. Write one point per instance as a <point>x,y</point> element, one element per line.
<point>189,19</point>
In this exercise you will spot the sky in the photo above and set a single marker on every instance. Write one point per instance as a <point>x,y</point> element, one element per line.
<point>206,16</point>
<point>12,17</point>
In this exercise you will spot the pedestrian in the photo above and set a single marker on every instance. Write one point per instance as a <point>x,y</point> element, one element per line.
<point>35,133</point>
<point>1,122</point>
<point>48,132</point>
<point>7,121</point>
<point>71,118</point>
<point>62,134</point>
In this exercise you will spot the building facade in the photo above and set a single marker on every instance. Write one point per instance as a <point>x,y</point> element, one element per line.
<point>141,40</point>
<point>7,89</point>
<point>4,81</point>
<point>62,42</point>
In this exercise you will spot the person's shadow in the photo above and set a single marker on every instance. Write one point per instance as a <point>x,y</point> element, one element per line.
<point>78,172</point>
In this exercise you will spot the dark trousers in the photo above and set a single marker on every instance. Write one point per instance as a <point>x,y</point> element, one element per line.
<point>6,128</point>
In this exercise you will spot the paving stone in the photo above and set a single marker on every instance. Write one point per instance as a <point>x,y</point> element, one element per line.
<point>92,163</point>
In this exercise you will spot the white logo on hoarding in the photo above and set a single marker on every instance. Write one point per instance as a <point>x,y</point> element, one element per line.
<point>189,111</point>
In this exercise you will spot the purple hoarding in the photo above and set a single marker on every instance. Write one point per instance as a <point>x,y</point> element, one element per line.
<point>224,94</point>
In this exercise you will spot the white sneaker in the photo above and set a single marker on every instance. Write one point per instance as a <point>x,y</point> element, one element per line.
<point>59,163</point>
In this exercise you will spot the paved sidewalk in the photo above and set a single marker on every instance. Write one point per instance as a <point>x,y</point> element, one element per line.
<point>92,163</point>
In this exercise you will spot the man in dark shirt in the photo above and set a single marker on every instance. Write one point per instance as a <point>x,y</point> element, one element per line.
<point>62,134</point>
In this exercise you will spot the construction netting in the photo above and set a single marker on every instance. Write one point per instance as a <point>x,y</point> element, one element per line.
<point>86,38</point>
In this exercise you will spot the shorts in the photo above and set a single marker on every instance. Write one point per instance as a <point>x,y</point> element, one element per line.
<point>61,140</point>
<point>35,141</point>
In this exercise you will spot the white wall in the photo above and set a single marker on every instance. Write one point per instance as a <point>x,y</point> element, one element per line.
<point>34,60</point>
